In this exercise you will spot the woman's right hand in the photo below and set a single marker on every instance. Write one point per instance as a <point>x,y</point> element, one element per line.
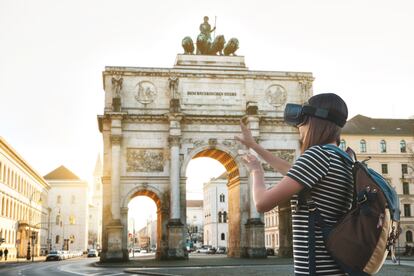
<point>247,138</point>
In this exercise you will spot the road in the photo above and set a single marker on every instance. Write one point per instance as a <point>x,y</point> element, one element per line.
<point>85,267</point>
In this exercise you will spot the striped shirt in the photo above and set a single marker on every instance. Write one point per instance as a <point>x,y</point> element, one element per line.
<point>329,178</point>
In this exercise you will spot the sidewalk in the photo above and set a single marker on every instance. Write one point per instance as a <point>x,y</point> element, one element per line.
<point>19,261</point>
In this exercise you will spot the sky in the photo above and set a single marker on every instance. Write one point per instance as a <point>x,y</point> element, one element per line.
<point>52,54</point>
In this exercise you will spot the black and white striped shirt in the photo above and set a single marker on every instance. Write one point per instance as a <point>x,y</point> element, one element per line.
<point>329,178</point>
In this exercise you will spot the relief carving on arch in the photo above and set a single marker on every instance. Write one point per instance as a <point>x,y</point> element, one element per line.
<point>285,154</point>
<point>145,160</point>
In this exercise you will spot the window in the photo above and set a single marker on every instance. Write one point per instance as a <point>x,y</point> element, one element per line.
<point>406,188</point>
<point>225,217</point>
<point>59,199</point>
<point>58,220</point>
<point>363,146</point>
<point>407,210</point>
<point>57,239</point>
<point>223,237</point>
<point>72,238</point>
<point>220,220</point>
<point>403,146</point>
<point>384,168</point>
<point>222,198</point>
<point>342,145</point>
<point>72,219</point>
<point>409,236</point>
<point>383,146</point>
<point>404,168</point>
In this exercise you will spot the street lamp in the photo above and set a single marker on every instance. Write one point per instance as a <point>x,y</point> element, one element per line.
<point>32,235</point>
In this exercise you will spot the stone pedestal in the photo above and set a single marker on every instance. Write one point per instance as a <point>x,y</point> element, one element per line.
<point>114,251</point>
<point>176,241</point>
<point>255,235</point>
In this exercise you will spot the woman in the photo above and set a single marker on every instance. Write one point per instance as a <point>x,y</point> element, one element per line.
<point>319,171</point>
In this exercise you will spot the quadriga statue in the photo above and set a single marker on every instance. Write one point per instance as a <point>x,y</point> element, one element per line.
<point>207,47</point>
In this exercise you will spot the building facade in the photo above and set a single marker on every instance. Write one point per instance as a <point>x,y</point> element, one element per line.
<point>271,221</point>
<point>95,208</point>
<point>195,223</point>
<point>24,214</point>
<point>216,212</point>
<point>68,200</point>
<point>389,145</point>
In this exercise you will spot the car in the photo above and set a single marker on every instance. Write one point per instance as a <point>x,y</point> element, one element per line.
<point>54,255</point>
<point>143,251</point>
<point>202,250</point>
<point>137,250</point>
<point>211,250</point>
<point>92,253</point>
<point>221,250</point>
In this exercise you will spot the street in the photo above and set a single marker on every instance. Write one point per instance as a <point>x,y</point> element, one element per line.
<point>86,266</point>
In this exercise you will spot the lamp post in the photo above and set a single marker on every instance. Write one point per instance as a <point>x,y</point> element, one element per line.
<point>31,247</point>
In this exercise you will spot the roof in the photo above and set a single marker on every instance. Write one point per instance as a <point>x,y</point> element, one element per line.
<point>365,125</point>
<point>61,173</point>
<point>194,203</point>
<point>16,157</point>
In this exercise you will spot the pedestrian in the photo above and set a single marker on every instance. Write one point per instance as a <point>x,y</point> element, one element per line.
<point>6,251</point>
<point>319,170</point>
<point>1,254</point>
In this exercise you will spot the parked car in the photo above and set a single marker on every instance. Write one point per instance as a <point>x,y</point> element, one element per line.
<point>54,255</point>
<point>203,249</point>
<point>211,250</point>
<point>221,250</point>
<point>92,253</point>
<point>137,250</point>
<point>270,251</point>
<point>143,251</point>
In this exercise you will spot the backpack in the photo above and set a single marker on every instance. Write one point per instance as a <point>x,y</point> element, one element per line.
<point>361,240</point>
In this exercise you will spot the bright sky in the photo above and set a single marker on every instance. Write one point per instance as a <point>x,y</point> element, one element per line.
<point>52,54</point>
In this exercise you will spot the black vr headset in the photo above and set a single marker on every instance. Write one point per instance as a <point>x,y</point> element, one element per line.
<point>295,114</point>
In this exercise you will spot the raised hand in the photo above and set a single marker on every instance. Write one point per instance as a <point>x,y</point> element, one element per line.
<point>252,163</point>
<point>246,138</point>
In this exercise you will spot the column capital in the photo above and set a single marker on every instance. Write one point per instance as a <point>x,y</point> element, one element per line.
<point>175,117</point>
<point>116,139</point>
<point>174,140</point>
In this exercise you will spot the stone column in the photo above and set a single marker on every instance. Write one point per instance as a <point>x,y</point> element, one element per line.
<point>115,175</point>
<point>254,226</point>
<point>124,221</point>
<point>174,142</point>
<point>112,226</point>
<point>176,234</point>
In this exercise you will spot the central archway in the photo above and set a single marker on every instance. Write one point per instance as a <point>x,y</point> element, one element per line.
<point>238,195</point>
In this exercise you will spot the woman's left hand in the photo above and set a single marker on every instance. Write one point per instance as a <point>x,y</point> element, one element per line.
<point>252,163</point>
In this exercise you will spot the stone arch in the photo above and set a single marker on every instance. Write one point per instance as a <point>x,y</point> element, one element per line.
<point>162,203</point>
<point>213,152</point>
<point>238,193</point>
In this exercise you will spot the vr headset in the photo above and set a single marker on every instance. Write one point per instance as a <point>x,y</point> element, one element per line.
<point>295,114</point>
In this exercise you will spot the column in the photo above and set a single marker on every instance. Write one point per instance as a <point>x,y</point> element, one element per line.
<point>115,175</point>
<point>176,233</point>
<point>254,226</point>
<point>253,125</point>
<point>174,142</point>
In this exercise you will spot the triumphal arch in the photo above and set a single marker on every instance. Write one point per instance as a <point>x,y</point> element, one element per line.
<point>156,120</point>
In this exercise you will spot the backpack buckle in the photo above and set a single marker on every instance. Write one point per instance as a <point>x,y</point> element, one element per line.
<point>362,199</point>
<point>311,205</point>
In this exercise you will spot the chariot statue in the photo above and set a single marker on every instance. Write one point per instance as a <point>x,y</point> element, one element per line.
<point>207,46</point>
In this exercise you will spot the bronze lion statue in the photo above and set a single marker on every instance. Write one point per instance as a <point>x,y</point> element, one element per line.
<point>231,47</point>
<point>188,45</point>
